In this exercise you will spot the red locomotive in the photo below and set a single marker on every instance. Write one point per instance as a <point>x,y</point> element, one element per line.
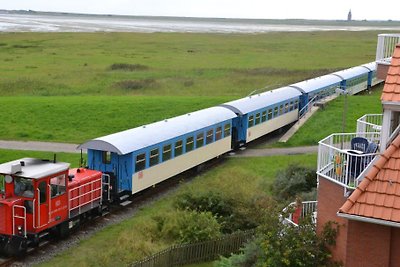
<point>41,196</point>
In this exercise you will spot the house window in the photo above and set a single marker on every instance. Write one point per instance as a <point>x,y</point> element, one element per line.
<point>200,140</point>
<point>106,155</point>
<point>227,130</point>
<point>189,144</point>
<point>264,116</point>
<point>140,162</point>
<point>209,137</point>
<point>57,185</point>
<point>154,157</point>
<point>178,148</point>
<point>251,121</point>
<point>166,154</point>
<point>218,133</point>
<point>258,119</point>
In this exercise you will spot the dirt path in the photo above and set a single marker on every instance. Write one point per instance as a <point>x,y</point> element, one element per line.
<point>71,148</point>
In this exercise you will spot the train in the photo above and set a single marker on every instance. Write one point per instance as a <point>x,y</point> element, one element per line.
<point>41,197</point>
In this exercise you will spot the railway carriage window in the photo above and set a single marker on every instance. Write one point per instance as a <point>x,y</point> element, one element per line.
<point>200,140</point>
<point>189,144</point>
<point>286,107</point>
<point>218,133</point>
<point>264,116</point>
<point>209,137</point>
<point>296,104</point>
<point>166,154</point>
<point>257,121</point>
<point>154,157</point>
<point>227,130</point>
<point>280,109</point>
<point>140,162</point>
<point>106,155</point>
<point>251,121</point>
<point>275,112</point>
<point>57,185</point>
<point>42,188</point>
<point>269,113</point>
<point>291,106</point>
<point>178,148</point>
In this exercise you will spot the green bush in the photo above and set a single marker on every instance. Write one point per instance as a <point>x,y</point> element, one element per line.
<point>294,181</point>
<point>187,226</point>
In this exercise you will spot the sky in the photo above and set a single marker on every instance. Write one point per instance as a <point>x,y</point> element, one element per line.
<point>265,9</point>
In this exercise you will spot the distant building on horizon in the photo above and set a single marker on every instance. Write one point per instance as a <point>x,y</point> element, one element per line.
<point>349,16</point>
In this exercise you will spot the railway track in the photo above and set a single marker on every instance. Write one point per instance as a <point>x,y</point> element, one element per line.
<point>4,262</point>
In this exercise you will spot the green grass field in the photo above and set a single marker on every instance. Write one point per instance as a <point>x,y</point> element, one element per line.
<point>132,239</point>
<point>71,87</point>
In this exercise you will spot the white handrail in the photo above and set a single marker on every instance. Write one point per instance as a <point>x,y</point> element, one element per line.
<point>19,217</point>
<point>79,197</point>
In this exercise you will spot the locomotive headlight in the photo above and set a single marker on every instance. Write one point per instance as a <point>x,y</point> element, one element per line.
<point>19,227</point>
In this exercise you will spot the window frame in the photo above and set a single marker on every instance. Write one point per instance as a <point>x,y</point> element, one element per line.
<point>140,162</point>
<point>177,151</point>
<point>166,153</point>
<point>218,133</point>
<point>250,121</point>
<point>189,145</point>
<point>106,157</point>
<point>199,137</point>
<point>152,155</point>
<point>227,129</point>
<point>209,136</point>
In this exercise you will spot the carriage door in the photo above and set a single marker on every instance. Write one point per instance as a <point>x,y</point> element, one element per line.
<point>42,197</point>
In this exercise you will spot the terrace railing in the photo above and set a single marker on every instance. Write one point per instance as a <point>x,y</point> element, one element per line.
<point>307,208</point>
<point>342,164</point>
<point>385,47</point>
<point>369,123</point>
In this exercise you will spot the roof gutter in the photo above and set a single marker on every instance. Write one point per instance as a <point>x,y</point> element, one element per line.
<point>368,220</point>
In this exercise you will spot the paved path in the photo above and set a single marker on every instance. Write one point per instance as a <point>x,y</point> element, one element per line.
<point>39,146</point>
<point>71,148</point>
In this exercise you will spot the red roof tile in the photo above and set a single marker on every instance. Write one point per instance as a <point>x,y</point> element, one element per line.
<point>378,197</point>
<point>391,90</point>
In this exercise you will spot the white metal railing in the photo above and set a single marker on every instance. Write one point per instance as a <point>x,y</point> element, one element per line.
<point>307,208</point>
<point>343,163</point>
<point>370,123</point>
<point>385,47</point>
<point>95,193</point>
<point>16,216</point>
<point>307,108</point>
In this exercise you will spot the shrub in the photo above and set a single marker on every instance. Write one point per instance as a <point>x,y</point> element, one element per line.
<point>128,67</point>
<point>134,84</point>
<point>187,226</point>
<point>293,181</point>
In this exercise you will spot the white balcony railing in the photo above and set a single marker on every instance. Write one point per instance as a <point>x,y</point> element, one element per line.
<point>369,123</point>
<point>385,47</point>
<point>307,208</point>
<point>343,157</point>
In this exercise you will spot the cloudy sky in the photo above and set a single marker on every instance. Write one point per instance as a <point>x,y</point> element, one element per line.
<point>276,9</point>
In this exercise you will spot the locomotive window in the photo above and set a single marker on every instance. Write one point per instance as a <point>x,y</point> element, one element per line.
<point>286,107</point>
<point>251,121</point>
<point>2,184</point>
<point>106,157</point>
<point>189,144</point>
<point>269,114</point>
<point>257,121</point>
<point>42,188</point>
<point>209,137</point>
<point>154,157</point>
<point>264,116</point>
<point>166,154</point>
<point>23,187</point>
<point>200,140</point>
<point>218,133</point>
<point>178,148</point>
<point>140,162</point>
<point>227,130</point>
<point>57,185</point>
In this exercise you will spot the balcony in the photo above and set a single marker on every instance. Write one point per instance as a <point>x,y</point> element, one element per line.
<point>307,208</point>
<point>369,123</point>
<point>385,47</point>
<point>343,158</point>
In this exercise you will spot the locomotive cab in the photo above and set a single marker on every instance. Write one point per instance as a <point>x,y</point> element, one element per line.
<point>33,200</point>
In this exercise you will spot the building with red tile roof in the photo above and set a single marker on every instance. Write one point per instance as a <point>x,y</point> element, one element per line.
<point>369,215</point>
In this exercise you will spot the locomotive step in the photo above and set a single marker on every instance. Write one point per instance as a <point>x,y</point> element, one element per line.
<point>125,203</point>
<point>121,198</point>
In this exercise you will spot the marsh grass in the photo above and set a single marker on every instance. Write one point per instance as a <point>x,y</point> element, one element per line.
<point>128,67</point>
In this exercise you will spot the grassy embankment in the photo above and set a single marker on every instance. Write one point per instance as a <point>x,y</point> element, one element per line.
<point>169,74</point>
<point>135,238</point>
